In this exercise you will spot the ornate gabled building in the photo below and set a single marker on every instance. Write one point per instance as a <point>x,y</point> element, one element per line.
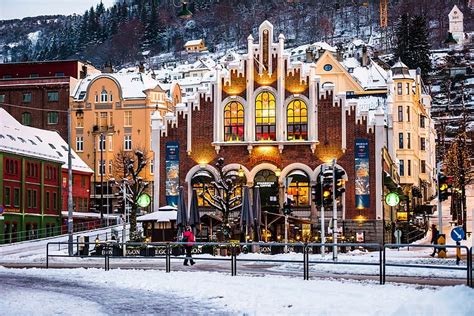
<point>278,122</point>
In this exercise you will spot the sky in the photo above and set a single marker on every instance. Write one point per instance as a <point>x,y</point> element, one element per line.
<point>18,9</point>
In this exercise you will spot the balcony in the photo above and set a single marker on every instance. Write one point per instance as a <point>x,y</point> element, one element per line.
<point>103,129</point>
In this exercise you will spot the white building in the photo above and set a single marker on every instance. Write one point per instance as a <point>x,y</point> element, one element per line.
<point>456,25</point>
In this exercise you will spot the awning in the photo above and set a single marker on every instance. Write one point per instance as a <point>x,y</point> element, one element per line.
<point>160,216</point>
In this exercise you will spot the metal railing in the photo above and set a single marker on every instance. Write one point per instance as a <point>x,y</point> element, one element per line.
<point>169,251</point>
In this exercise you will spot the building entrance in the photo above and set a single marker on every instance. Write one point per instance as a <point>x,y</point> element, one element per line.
<point>268,183</point>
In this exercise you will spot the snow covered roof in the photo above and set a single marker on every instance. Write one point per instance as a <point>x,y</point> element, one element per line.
<point>38,143</point>
<point>400,70</point>
<point>132,84</point>
<point>193,42</point>
<point>370,77</point>
<point>159,216</point>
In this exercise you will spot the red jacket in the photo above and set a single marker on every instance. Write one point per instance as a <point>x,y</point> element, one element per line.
<point>190,236</point>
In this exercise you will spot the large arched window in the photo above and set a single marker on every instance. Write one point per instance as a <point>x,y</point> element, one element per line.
<point>234,121</point>
<point>200,180</point>
<point>265,127</point>
<point>297,120</point>
<point>299,188</point>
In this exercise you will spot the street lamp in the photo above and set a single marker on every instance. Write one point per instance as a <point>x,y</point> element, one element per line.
<point>69,189</point>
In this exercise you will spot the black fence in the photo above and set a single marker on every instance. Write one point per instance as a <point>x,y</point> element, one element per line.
<point>224,251</point>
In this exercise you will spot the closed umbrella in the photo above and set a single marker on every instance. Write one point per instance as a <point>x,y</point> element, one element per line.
<point>194,218</point>
<point>246,216</point>
<point>182,216</point>
<point>257,211</point>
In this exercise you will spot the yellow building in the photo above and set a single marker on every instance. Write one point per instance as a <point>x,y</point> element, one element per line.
<point>111,116</point>
<point>413,134</point>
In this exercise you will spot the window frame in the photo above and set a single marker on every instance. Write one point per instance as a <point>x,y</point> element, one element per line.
<point>234,121</point>
<point>269,127</point>
<point>127,142</point>
<point>400,141</point>
<point>51,94</point>
<point>26,118</point>
<point>400,113</point>
<point>79,143</point>
<point>27,97</point>
<point>51,115</point>
<point>302,126</point>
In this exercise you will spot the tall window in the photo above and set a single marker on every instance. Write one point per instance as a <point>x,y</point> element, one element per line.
<point>297,120</point>
<point>409,167</point>
<point>2,98</point>
<point>127,142</point>
<point>423,143</point>
<point>402,168</point>
<point>101,142</point>
<point>299,188</point>
<point>400,140</point>
<point>400,113</point>
<point>152,166</point>
<point>408,140</point>
<point>102,167</point>
<point>26,118</point>
<point>199,181</point>
<point>48,200</point>
<point>103,119</point>
<point>79,143</point>
<point>16,197</point>
<point>399,88</point>
<point>408,88</point>
<point>408,114</point>
<point>234,121</point>
<point>127,118</point>
<point>7,196</point>
<point>110,166</point>
<point>422,121</point>
<point>423,166</point>
<point>53,117</point>
<point>103,96</point>
<point>265,105</point>
<point>80,120</point>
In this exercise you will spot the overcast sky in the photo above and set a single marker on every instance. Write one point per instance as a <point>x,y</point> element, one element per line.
<point>17,9</point>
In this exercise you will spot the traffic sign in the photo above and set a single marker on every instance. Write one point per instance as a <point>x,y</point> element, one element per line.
<point>397,233</point>
<point>457,234</point>
<point>1,210</point>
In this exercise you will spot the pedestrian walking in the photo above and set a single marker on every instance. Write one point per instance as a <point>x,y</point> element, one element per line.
<point>188,237</point>
<point>434,238</point>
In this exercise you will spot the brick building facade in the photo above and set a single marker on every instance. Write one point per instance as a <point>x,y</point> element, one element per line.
<point>277,121</point>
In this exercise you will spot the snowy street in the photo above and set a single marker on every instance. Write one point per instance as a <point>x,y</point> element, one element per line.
<point>94,291</point>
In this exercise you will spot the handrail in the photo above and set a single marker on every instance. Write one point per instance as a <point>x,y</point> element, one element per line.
<point>106,251</point>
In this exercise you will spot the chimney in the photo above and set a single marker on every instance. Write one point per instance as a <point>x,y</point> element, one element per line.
<point>365,56</point>
<point>83,72</point>
<point>108,68</point>
<point>309,55</point>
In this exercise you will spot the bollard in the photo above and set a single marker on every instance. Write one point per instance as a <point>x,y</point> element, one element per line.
<point>458,252</point>
<point>168,258</point>
<point>47,255</point>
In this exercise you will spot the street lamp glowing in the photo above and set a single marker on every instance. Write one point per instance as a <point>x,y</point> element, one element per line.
<point>241,172</point>
<point>277,172</point>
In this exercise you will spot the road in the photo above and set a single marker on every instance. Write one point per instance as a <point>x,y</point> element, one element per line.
<point>110,301</point>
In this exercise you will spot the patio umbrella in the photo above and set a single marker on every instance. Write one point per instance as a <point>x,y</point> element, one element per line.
<point>257,211</point>
<point>194,217</point>
<point>246,216</point>
<point>182,216</point>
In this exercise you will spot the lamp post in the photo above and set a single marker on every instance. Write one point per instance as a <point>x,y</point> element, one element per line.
<point>102,170</point>
<point>69,189</point>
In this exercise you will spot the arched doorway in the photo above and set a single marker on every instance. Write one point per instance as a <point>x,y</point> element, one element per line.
<point>268,183</point>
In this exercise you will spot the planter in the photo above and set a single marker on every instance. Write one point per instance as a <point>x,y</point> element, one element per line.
<point>176,251</point>
<point>208,249</point>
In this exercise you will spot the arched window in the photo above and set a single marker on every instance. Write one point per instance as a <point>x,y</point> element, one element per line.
<point>103,96</point>
<point>297,120</point>
<point>234,121</point>
<point>200,180</point>
<point>265,127</point>
<point>299,188</point>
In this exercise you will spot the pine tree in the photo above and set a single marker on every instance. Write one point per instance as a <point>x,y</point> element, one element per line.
<point>419,45</point>
<point>403,34</point>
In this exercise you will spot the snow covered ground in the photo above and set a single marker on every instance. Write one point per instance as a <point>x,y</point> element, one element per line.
<point>218,293</point>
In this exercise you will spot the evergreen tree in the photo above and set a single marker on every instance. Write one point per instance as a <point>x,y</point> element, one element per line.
<point>412,43</point>
<point>420,46</point>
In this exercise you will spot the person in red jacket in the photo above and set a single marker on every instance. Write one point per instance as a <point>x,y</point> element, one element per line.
<point>188,236</point>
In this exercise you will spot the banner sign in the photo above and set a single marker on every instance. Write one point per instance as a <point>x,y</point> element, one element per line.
<point>172,173</point>
<point>362,179</point>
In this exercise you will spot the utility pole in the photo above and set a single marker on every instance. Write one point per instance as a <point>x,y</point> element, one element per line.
<point>102,170</point>
<point>334,211</point>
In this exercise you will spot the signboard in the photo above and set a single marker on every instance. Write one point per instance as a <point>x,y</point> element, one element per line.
<point>362,179</point>
<point>1,210</point>
<point>392,199</point>
<point>360,237</point>
<point>457,234</point>
<point>144,200</point>
<point>172,173</point>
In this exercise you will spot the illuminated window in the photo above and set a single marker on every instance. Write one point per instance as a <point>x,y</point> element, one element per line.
<point>299,188</point>
<point>199,181</point>
<point>234,122</point>
<point>265,128</point>
<point>297,120</point>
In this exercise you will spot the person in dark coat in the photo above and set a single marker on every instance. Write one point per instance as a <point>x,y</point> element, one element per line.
<point>434,238</point>
<point>188,237</point>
